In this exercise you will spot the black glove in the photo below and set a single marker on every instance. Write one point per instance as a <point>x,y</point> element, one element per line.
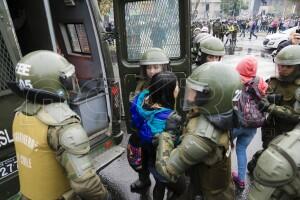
<point>174,126</point>
<point>263,105</point>
<point>173,123</point>
<point>275,98</point>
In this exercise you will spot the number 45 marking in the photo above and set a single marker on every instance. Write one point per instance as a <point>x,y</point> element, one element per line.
<point>25,83</point>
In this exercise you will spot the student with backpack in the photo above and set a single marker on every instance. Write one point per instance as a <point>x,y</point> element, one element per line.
<point>152,112</point>
<point>247,112</point>
<point>153,61</point>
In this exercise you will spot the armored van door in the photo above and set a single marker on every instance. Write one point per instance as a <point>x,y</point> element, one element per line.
<point>9,56</point>
<point>141,25</point>
<point>78,41</point>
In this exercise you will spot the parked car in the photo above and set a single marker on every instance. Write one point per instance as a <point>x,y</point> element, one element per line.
<point>272,41</point>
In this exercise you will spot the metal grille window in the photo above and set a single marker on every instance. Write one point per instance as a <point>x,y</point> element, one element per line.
<point>152,24</point>
<point>7,72</point>
<point>78,38</point>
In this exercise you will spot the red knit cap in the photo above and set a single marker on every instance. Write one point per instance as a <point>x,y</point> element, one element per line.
<point>247,68</point>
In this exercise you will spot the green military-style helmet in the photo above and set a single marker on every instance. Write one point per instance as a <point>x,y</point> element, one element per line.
<point>154,56</point>
<point>212,46</point>
<point>196,31</point>
<point>289,55</point>
<point>46,71</point>
<point>201,37</point>
<point>211,88</point>
<point>197,40</point>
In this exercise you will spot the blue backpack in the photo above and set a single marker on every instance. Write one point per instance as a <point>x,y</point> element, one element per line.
<point>148,122</point>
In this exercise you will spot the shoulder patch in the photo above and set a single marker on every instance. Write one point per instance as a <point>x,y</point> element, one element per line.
<point>57,114</point>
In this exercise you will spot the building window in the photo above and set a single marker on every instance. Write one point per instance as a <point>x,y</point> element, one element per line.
<point>78,39</point>
<point>145,28</point>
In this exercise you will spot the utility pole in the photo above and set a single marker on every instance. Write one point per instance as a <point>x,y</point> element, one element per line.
<point>196,6</point>
<point>205,9</point>
<point>294,7</point>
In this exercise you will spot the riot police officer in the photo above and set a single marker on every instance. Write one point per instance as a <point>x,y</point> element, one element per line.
<point>277,173</point>
<point>51,145</point>
<point>217,28</point>
<point>204,149</point>
<point>196,44</point>
<point>210,49</point>
<point>281,98</point>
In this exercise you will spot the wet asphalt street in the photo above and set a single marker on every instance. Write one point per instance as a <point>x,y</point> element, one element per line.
<point>118,175</point>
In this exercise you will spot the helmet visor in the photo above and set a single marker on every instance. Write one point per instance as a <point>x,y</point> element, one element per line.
<point>70,83</point>
<point>196,95</point>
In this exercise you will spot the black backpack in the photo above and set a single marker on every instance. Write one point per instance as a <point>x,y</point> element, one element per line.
<point>245,106</point>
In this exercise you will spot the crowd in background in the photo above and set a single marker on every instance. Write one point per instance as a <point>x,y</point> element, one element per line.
<point>229,27</point>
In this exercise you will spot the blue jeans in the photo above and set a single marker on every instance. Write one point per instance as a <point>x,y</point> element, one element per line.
<point>243,138</point>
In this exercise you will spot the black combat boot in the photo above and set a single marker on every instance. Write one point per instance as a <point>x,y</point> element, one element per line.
<point>159,191</point>
<point>142,183</point>
<point>252,163</point>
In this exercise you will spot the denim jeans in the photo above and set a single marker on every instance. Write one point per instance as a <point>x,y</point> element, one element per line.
<point>243,138</point>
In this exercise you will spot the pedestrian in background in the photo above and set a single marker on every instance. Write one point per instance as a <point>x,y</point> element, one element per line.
<point>252,29</point>
<point>243,28</point>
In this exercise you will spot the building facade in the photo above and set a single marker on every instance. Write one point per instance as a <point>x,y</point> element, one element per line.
<point>205,9</point>
<point>279,8</point>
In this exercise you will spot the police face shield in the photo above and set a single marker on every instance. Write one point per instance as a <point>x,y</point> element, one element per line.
<point>196,95</point>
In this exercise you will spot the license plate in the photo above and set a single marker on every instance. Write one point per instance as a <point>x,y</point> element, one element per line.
<point>8,167</point>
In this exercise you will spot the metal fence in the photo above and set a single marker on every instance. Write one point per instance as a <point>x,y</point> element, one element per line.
<point>6,66</point>
<point>152,24</point>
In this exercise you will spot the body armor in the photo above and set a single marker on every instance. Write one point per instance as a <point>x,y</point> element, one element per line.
<point>56,154</point>
<point>277,170</point>
<point>35,157</point>
<point>51,145</point>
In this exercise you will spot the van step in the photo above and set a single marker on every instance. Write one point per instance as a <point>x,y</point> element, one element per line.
<point>101,160</point>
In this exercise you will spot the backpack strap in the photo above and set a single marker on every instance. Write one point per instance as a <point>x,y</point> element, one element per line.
<point>253,84</point>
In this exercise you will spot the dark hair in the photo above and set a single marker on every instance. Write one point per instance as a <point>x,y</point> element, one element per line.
<point>165,67</point>
<point>161,89</point>
<point>203,58</point>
